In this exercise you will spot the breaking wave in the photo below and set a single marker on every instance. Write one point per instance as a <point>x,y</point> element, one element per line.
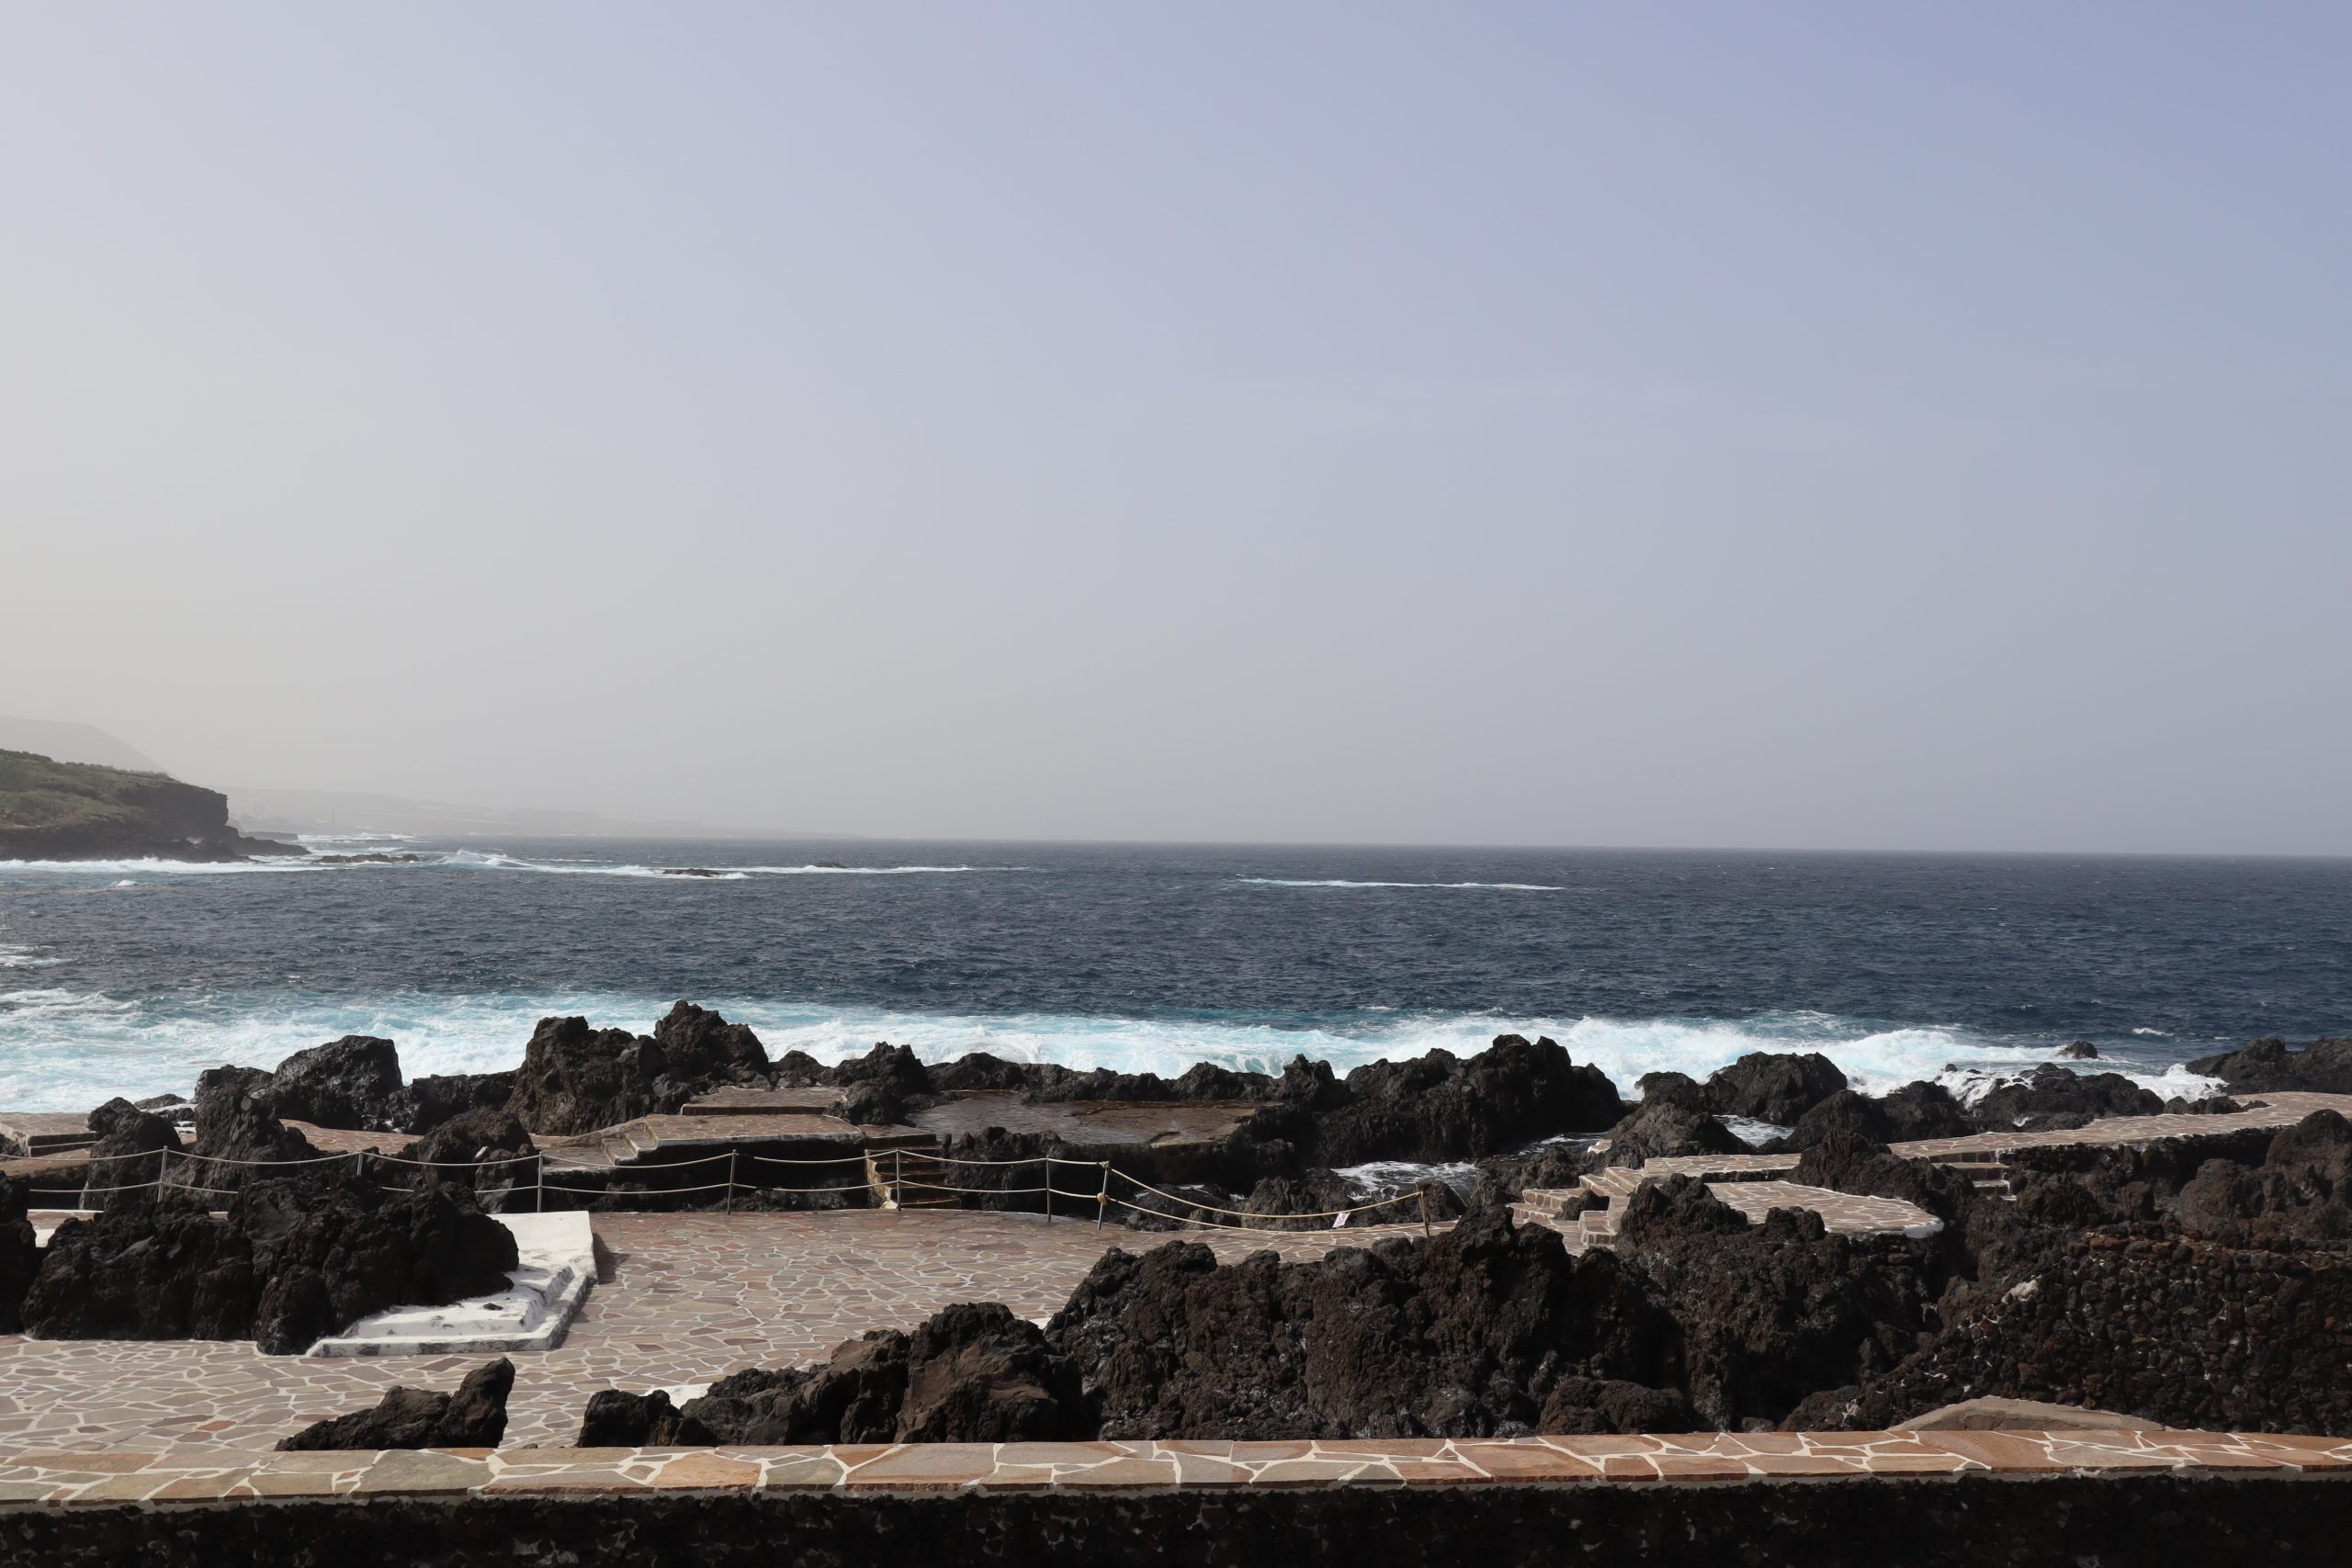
<point>1306,882</point>
<point>67,1049</point>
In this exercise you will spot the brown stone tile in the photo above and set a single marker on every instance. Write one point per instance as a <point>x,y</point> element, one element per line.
<point>813,1471</point>
<point>559,1481</point>
<point>1290,1473</point>
<point>1130,1470</point>
<point>926,1467</point>
<point>422,1471</point>
<point>699,1472</point>
<point>1699,1467</point>
<point>205,1488</point>
<point>1527,1462</point>
<point>1995,1450</point>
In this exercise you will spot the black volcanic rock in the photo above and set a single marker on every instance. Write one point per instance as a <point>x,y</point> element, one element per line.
<point>2324,1067</point>
<point>487,1150</point>
<point>2079,1050</point>
<point>1766,1314</point>
<point>1471,1332</point>
<point>20,1252</point>
<point>1916,1110</point>
<point>367,1250</point>
<point>1440,1106</point>
<point>2193,1333</point>
<point>705,1050</point>
<point>354,1082</point>
<point>1771,1086</point>
<point>472,1417</point>
<point>129,1150</point>
<point>1674,1088</point>
<point>578,1079</point>
<point>150,1267</point>
<point>439,1097</point>
<point>2300,1195</point>
<point>2048,1092</point>
<point>1844,1163</point>
<point>237,1135</point>
<point>618,1419</point>
<point>972,1373</point>
<point>1663,1129</point>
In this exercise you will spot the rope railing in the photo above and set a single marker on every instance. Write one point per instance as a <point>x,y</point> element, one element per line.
<point>1188,1211</point>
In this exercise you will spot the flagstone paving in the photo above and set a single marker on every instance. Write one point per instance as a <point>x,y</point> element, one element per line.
<point>195,1475</point>
<point>692,1298</point>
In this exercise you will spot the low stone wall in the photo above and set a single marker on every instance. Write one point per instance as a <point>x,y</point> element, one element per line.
<point>1975,1498</point>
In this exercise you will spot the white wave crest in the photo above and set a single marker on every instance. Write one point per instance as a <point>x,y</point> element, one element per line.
<point>61,1049</point>
<point>1305,882</point>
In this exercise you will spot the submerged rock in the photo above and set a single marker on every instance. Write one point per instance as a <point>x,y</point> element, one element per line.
<point>474,1417</point>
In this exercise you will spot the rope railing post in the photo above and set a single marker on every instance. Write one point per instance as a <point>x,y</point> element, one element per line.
<point>163,1164</point>
<point>1425,1211</point>
<point>1047,1161</point>
<point>539,1184</point>
<point>1102,1199</point>
<point>359,1164</point>
<point>731,1181</point>
<point>898,1177</point>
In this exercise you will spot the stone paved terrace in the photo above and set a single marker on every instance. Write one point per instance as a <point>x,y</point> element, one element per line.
<point>2281,1108</point>
<point>196,1473</point>
<point>691,1297</point>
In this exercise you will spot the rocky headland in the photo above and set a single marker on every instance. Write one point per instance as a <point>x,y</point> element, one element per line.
<point>52,810</point>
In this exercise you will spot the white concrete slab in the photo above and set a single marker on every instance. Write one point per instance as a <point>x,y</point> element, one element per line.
<point>556,1265</point>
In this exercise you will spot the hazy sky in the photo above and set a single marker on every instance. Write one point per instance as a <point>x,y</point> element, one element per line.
<point>1832,425</point>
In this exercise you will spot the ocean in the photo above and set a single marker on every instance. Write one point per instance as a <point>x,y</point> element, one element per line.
<point>131,977</point>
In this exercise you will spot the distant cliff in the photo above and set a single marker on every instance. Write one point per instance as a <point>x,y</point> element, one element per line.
<point>81,811</point>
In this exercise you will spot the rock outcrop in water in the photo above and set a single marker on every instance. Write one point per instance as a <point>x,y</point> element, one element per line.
<point>2324,1067</point>
<point>1774,1087</point>
<point>2047,1092</point>
<point>474,1417</point>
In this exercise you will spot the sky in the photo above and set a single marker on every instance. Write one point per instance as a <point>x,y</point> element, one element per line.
<point>1807,425</point>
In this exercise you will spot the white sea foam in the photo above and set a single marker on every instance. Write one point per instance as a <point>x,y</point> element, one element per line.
<point>25,958</point>
<point>1305,882</point>
<point>470,860</point>
<point>66,1049</point>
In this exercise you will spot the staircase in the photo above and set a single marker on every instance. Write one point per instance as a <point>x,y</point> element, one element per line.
<point>908,1178</point>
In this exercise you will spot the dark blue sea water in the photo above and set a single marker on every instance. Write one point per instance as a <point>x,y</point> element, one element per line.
<point>128,977</point>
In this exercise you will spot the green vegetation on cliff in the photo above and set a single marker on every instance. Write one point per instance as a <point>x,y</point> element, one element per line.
<point>36,792</point>
<point>52,810</point>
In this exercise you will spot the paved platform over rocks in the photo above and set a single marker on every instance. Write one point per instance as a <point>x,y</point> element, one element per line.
<point>691,1297</point>
<point>49,1477</point>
